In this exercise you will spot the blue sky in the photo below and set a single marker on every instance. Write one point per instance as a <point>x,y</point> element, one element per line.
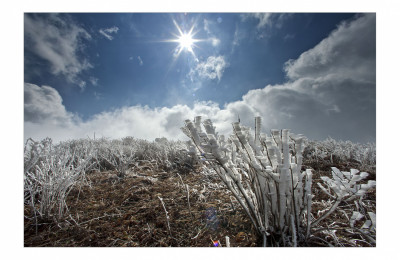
<point>120,74</point>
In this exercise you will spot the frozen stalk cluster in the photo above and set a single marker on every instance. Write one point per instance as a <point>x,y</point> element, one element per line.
<point>262,172</point>
<point>344,187</point>
<point>344,184</point>
<point>50,172</point>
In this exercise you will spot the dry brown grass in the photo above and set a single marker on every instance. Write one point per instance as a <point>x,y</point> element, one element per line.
<point>127,213</point>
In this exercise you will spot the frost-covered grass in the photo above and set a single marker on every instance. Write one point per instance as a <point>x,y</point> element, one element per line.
<point>341,152</point>
<point>51,171</point>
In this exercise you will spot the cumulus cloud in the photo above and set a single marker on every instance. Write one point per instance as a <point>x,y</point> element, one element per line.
<point>349,51</point>
<point>57,40</point>
<point>331,89</point>
<point>44,104</point>
<point>106,32</point>
<point>212,68</point>
<point>325,95</point>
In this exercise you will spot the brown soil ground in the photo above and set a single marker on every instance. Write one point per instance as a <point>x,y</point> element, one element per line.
<point>112,212</point>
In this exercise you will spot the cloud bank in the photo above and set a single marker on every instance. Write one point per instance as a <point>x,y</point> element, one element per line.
<point>315,101</point>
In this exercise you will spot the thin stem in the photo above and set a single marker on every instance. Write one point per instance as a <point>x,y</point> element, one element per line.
<point>334,206</point>
<point>166,214</point>
<point>188,201</point>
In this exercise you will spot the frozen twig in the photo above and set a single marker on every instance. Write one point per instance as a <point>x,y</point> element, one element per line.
<point>332,209</point>
<point>166,214</point>
<point>228,244</point>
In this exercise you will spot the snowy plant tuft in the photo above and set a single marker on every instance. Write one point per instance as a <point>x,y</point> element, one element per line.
<point>262,172</point>
<point>50,172</point>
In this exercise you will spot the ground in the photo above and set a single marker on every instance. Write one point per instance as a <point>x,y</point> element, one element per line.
<point>129,212</point>
<point>107,211</point>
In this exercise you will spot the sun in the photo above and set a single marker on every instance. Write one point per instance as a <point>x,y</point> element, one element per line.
<point>186,41</point>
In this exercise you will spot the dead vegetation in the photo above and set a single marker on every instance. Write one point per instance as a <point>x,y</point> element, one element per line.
<point>108,211</point>
<point>114,212</point>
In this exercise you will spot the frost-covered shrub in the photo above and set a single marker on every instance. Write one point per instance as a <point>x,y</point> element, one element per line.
<point>264,174</point>
<point>50,172</point>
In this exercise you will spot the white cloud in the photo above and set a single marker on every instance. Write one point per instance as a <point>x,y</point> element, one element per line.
<point>82,84</point>
<point>238,36</point>
<point>215,41</point>
<point>46,116</point>
<point>106,32</point>
<point>349,51</point>
<point>140,61</point>
<point>58,40</point>
<point>267,19</point>
<point>94,81</point>
<point>331,88</point>
<point>44,104</point>
<point>264,19</point>
<point>212,68</point>
<point>289,36</point>
<point>265,22</point>
<point>98,95</point>
<point>335,99</point>
<point>208,27</point>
